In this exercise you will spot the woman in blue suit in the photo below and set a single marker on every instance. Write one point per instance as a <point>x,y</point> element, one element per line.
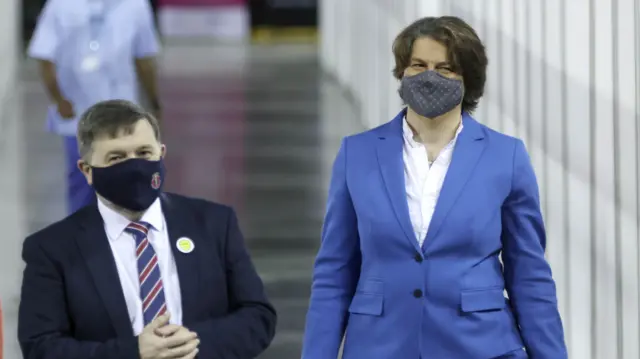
<point>430,218</point>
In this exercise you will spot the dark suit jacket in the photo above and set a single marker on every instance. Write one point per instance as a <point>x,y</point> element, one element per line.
<point>72,303</point>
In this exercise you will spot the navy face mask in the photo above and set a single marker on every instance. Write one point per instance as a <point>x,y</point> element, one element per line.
<point>133,184</point>
<point>431,94</point>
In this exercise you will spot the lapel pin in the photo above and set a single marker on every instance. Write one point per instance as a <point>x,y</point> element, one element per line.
<point>185,245</point>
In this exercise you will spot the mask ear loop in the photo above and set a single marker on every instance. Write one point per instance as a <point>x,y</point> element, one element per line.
<point>464,92</point>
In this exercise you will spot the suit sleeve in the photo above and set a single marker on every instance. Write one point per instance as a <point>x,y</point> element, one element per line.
<point>249,329</point>
<point>44,328</point>
<point>528,279</point>
<point>336,271</point>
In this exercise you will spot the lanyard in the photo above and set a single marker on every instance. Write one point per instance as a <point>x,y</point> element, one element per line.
<point>96,23</point>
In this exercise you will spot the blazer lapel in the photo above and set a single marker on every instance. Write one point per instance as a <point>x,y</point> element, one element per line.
<point>468,149</point>
<point>389,151</point>
<point>98,257</point>
<point>181,225</point>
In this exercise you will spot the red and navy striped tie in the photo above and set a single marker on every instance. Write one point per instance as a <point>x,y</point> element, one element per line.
<point>151,291</point>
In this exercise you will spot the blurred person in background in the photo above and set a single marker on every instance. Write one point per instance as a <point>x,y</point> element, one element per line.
<point>125,278</point>
<point>91,51</point>
<point>430,217</point>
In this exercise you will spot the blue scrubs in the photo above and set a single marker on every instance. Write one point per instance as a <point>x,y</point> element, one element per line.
<point>79,193</point>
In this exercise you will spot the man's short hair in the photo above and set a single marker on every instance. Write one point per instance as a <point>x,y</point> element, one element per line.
<point>111,119</point>
<point>465,52</point>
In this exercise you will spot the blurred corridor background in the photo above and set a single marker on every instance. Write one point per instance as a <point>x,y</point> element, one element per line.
<point>258,94</point>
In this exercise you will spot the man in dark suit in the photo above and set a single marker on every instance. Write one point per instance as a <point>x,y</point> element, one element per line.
<point>141,274</point>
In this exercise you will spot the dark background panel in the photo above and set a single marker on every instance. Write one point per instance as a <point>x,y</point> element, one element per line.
<point>284,13</point>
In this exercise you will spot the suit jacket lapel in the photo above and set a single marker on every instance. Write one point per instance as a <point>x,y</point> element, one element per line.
<point>389,151</point>
<point>182,225</point>
<point>98,257</point>
<point>468,149</point>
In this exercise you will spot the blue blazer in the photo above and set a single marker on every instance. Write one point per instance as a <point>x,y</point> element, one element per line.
<point>72,305</point>
<point>392,299</point>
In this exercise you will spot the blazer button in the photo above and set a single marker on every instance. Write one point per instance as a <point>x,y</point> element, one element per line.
<point>418,258</point>
<point>417,293</point>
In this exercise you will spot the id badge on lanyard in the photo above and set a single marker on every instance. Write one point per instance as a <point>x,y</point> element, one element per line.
<point>91,61</point>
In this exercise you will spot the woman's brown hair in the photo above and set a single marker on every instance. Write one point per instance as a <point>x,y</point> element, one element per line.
<point>466,53</point>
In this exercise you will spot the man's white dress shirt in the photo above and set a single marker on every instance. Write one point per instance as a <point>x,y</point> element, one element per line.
<point>123,246</point>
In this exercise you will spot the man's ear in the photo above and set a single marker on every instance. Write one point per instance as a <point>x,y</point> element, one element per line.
<point>85,168</point>
<point>163,150</point>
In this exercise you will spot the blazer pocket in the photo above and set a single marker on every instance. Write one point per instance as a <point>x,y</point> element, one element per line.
<point>477,300</point>
<point>367,304</point>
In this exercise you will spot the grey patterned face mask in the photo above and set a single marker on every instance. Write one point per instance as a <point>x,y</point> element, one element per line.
<point>431,94</point>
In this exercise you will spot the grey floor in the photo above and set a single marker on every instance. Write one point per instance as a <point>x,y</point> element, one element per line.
<point>254,127</point>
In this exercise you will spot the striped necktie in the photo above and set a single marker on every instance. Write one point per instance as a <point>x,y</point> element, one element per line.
<point>151,291</point>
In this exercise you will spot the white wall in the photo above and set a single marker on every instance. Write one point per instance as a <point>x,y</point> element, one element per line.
<point>12,220</point>
<point>8,43</point>
<point>564,77</point>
